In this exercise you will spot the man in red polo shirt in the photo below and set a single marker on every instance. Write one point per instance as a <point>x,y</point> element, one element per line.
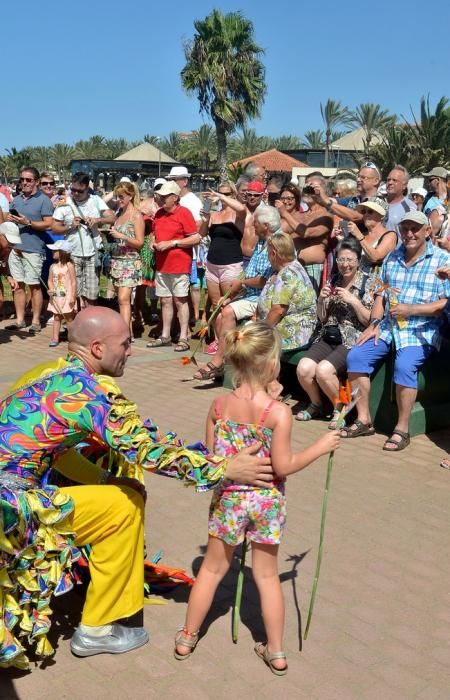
<point>175,232</point>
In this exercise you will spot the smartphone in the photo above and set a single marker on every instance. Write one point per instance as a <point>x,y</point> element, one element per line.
<point>207,206</point>
<point>14,212</point>
<point>272,197</point>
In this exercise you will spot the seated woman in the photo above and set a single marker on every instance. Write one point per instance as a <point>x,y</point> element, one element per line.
<point>225,227</point>
<point>377,242</point>
<point>344,310</point>
<point>288,300</point>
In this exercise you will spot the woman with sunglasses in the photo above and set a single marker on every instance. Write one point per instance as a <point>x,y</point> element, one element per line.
<point>289,209</point>
<point>343,309</point>
<point>376,241</point>
<point>225,227</point>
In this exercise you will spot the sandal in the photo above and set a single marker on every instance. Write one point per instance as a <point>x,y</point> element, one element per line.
<point>185,639</point>
<point>312,411</point>
<point>159,342</point>
<point>400,444</point>
<point>182,345</point>
<point>34,328</point>
<point>362,429</point>
<point>445,464</point>
<point>53,344</point>
<point>263,653</point>
<point>210,372</point>
<point>333,424</point>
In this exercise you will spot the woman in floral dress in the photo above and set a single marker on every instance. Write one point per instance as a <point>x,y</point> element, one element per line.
<point>128,235</point>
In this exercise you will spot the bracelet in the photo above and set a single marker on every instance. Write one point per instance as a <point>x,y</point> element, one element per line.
<point>105,476</point>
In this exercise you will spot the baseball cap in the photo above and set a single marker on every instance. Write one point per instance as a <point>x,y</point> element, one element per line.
<point>421,191</point>
<point>417,216</point>
<point>169,188</point>
<point>158,183</point>
<point>437,172</point>
<point>375,203</point>
<point>178,171</point>
<point>63,245</point>
<point>255,186</point>
<point>11,232</point>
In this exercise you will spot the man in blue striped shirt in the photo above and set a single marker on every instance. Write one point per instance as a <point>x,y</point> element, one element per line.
<point>405,316</point>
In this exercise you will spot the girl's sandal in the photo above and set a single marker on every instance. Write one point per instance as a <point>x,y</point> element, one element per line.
<point>333,424</point>
<point>183,638</point>
<point>310,412</point>
<point>263,653</point>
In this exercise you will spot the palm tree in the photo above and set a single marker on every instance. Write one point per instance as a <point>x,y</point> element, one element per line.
<point>18,159</point>
<point>394,147</point>
<point>201,147</point>
<point>115,147</point>
<point>248,143</point>
<point>287,143</point>
<point>171,145</point>
<point>94,147</point>
<point>333,114</point>
<point>40,157</point>
<point>150,138</point>
<point>60,156</point>
<point>224,71</point>
<point>314,139</point>
<point>430,136</point>
<point>373,120</point>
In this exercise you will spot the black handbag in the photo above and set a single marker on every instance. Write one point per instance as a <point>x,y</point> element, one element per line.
<point>332,335</point>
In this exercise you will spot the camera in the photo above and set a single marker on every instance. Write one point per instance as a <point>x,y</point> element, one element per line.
<point>272,197</point>
<point>309,190</point>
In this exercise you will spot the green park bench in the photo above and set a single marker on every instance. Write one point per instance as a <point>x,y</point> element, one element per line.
<point>431,410</point>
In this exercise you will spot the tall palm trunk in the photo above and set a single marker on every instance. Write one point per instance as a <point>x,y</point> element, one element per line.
<point>221,136</point>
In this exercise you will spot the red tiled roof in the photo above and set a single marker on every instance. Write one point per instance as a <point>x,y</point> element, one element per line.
<point>273,161</point>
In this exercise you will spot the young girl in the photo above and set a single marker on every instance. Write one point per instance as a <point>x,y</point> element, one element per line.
<point>62,287</point>
<point>236,420</point>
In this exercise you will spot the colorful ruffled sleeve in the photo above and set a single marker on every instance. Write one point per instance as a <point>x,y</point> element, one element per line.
<point>136,446</point>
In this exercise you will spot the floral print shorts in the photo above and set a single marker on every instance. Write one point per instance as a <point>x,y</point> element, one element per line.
<point>261,514</point>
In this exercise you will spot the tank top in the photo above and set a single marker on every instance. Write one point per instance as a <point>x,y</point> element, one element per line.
<point>225,247</point>
<point>230,437</point>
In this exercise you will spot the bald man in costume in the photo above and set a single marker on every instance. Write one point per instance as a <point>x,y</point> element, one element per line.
<point>49,411</point>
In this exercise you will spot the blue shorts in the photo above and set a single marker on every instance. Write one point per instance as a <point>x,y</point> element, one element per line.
<point>362,359</point>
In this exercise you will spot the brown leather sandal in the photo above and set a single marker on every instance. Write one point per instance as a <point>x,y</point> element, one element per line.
<point>211,371</point>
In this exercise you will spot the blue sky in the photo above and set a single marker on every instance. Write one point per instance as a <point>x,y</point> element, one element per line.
<point>113,68</point>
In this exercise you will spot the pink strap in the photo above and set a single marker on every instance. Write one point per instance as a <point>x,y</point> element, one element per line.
<point>217,409</point>
<point>266,411</point>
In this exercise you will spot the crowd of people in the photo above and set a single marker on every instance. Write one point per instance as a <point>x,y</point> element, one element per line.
<point>334,274</point>
<point>348,279</point>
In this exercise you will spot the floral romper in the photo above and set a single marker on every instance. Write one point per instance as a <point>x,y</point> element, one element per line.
<point>238,510</point>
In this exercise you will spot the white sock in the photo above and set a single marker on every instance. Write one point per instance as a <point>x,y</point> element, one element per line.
<point>100,631</point>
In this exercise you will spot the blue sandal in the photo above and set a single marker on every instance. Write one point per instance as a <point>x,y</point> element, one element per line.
<point>310,412</point>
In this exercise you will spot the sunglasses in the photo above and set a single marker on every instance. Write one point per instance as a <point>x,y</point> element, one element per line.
<point>47,184</point>
<point>74,190</point>
<point>26,179</point>
<point>227,194</point>
<point>254,194</point>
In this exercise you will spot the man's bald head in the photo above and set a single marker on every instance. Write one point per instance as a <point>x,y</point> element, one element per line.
<point>94,323</point>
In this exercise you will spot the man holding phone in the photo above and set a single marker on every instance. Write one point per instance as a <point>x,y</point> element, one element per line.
<point>78,217</point>
<point>32,211</point>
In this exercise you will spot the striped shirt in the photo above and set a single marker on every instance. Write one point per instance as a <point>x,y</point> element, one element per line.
<point>417,284</point>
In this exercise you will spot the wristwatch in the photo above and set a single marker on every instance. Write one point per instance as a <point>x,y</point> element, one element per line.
<point>329,205</point>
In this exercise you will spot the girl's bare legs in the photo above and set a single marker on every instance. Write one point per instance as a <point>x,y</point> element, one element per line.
<point>124,299</point>
<point>56,327</point>
<point>265,573</point>
<point>214,296</point>
<point>215,565</point>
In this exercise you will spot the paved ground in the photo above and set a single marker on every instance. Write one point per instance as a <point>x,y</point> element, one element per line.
<point>381,626</point>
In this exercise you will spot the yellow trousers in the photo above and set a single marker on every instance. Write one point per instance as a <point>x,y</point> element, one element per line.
<point>111,520</point>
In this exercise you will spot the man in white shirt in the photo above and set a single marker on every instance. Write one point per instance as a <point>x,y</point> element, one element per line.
<point>78,217</point>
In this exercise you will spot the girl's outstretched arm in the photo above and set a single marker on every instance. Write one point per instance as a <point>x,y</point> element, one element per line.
<point>284,461</point>
<point>210,423</point>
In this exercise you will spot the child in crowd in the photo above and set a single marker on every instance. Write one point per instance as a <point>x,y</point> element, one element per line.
<point>62,287</point>
<point>236,420</point>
